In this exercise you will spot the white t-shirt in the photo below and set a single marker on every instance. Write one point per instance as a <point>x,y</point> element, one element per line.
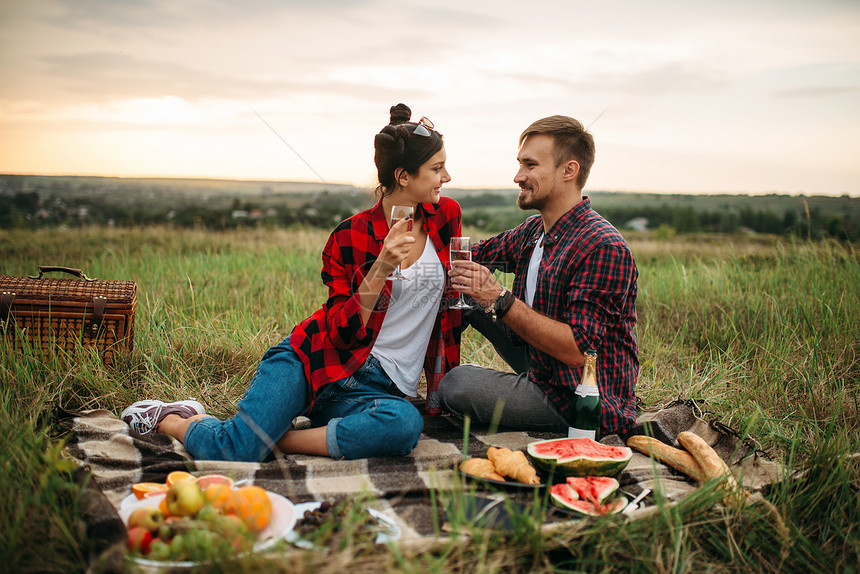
<point>402,342</point>
<point>532,273</point>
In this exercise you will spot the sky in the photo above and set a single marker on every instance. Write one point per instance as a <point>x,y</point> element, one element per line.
<point>729,96</point>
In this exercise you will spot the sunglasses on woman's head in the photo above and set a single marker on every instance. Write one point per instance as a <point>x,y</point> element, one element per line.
<point>423,128</point>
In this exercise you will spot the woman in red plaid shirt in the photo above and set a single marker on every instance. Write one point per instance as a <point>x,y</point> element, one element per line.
<point>352,366</point>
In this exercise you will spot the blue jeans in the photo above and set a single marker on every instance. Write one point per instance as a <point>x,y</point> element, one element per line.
<point>362,418</point>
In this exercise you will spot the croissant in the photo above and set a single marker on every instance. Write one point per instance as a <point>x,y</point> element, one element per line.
<point>513,464</point>
<point>482,468</point>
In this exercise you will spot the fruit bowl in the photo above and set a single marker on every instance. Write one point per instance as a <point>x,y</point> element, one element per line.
<point>282,522</point>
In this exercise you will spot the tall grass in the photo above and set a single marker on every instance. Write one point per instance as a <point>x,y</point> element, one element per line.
<point>763,332</point>
<point>769,339</point>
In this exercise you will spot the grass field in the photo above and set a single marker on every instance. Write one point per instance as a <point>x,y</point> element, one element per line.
<point>762,331</point>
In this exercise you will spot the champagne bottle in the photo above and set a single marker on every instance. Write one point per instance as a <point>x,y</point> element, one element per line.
<point>587,408</point>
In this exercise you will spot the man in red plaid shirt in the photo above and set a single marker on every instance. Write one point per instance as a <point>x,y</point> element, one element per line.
<point>574,290</point>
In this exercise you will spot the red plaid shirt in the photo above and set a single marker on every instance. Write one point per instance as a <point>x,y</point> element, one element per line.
<point>333,342</point>
<point>587,280</point>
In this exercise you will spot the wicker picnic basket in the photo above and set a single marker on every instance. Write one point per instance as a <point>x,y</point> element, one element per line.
<point>41,315</point>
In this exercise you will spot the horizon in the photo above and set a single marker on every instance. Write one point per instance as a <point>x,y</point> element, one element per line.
<point>511,189</point>
<point>693,98</point>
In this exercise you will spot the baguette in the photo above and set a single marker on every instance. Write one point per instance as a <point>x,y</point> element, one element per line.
<point>713,467</point>
<point>676,458</point>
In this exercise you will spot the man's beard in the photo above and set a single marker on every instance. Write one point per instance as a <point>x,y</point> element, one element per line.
<point>532,202</point>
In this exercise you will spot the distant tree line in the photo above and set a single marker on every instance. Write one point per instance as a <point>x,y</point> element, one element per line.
<point>26,208</point>
<point>685,219</point>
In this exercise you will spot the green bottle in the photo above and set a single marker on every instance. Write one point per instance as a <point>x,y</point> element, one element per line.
<point>587,409</point>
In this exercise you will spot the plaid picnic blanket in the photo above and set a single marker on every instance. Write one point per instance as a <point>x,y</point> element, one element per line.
<point>116,458</point>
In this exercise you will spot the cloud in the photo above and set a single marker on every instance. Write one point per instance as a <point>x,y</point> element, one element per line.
<point>141,14</point>
<point>817,92</point>
<point>103,77</point>
<point>664,78</point>
<point>107,76</point>
<point>822,80</point>
<point>99,50</point>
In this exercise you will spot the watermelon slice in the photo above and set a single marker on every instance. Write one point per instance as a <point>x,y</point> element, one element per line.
<point>565,496</point>
<point>594,489</point>
<point>579,457</point>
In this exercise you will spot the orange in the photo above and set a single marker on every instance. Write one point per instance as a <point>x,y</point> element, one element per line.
<point>252,505</point>
<point>178,475</point>
<point>220,496</point>
<point>141,489</point>
<point>162,506</point>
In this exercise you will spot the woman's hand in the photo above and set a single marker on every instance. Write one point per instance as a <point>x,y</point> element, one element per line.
<point>396,246</point>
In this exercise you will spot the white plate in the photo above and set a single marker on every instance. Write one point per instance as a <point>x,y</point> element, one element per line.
<point>284,517</point>
<point>390,530</point>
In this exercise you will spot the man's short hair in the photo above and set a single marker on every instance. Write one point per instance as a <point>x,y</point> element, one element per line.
<point>572,141</point>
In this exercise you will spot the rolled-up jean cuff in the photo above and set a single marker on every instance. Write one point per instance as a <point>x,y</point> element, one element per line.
<point>188,432</point>
<point>331,439</point>
<point>200,451</point>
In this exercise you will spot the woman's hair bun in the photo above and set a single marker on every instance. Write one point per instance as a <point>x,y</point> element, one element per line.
<point>389,140</point>
<point>400,114</point>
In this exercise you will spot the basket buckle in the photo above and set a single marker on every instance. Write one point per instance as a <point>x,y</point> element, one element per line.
<point>93,326</point>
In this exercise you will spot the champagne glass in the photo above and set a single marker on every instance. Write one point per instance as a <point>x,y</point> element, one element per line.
<point>399,212</point>
<point>461,250</point>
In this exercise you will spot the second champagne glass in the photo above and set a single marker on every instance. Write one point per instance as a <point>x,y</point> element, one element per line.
<point>398,212</point>
<point>461,250</point>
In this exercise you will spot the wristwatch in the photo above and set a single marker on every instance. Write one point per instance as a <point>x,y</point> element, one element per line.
<point>501,305</point>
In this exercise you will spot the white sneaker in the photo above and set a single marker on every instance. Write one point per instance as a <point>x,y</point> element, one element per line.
<point>143,416</point>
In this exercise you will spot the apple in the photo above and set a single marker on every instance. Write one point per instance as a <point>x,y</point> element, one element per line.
<point>184,498</point>
<point>139,539</point>
<point>148,517</point>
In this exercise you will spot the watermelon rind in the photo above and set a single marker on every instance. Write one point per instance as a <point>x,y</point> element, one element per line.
<point>612,506</point>
<point>596,459</point>
<point>564,496</point>
<point>594,489</point>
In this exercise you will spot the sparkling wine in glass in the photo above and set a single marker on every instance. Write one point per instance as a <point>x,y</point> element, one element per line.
<point>398,212</point>
<point>461,250</point>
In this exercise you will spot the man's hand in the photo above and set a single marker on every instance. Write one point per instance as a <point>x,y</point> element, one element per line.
<point>476,281</point>
<point>548,335</point>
